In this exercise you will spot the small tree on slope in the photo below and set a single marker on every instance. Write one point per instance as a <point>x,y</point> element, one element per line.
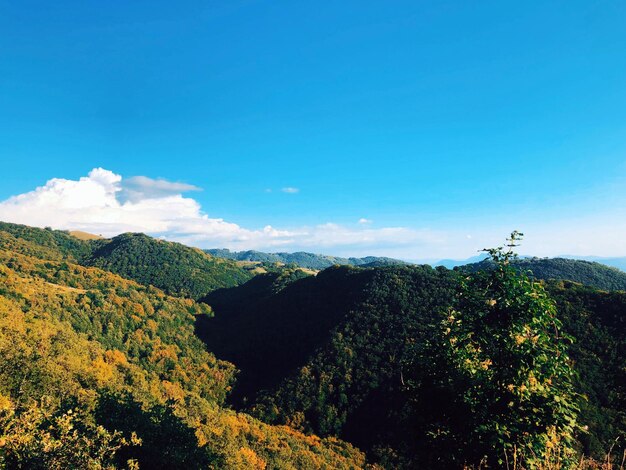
<point>495,384</point>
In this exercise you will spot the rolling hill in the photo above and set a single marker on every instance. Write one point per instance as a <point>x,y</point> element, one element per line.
<point>177,269</point>
<point>97,371</point>
<point>588,273</point>
<point>329,353</point>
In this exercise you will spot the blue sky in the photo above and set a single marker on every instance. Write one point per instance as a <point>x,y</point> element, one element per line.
<point>459,120</point>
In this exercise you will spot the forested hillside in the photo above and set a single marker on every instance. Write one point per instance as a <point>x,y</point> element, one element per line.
<point>597,321</point>
<point>270,326</point>
<point>303,259</point>
<point>175,268</point>
<point>584,272</point>
<point>101,372</point>
<point>59,244</point>
<point>418,367</point>
<point>331,354</point>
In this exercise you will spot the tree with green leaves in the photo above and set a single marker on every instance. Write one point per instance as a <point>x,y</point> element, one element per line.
<point>494,385</point>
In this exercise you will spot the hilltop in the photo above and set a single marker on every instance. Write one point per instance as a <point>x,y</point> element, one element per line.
<point>84,235</point>
<point>589,273</point>
<point>173,267</point>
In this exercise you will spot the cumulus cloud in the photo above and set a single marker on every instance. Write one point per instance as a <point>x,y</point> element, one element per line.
<point>364,221</point>
<point>105,203</point>
<point>290,190</point>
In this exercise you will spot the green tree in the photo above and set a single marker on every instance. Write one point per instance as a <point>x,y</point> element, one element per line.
<point>496,381</point>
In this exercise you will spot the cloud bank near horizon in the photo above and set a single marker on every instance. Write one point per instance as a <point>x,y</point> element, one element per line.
<point>105,203</point>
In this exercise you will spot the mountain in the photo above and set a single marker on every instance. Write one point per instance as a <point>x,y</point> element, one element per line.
<point>98,371</point>
<point>617,262</point>
<point>175,268</point>
<point>329,354</point>
<point>588,273</point>
<point>303,259</point>
<point>453,263</point>
<point>286,369</point>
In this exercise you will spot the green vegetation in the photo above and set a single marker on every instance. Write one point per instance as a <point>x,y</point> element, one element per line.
<point>584,272</point>
<point>53,244</point>
<point>598,322</point>
<point>499,357</point>
<point>175,268</point>
<point>326,354</point>
<point>101,372</point>
<point>418,367</point>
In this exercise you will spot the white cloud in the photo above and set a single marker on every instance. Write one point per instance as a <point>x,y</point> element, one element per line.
<point>364,221</point>
<point>104,203</point>
<point>290,190</point>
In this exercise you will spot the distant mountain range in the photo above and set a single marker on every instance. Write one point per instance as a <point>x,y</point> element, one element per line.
<point>601,273</point>
<point>304,259</point>
<point>453,263</point>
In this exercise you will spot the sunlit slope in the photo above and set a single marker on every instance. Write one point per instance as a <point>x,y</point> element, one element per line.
<point>175,268</point>
<point>103,370</point>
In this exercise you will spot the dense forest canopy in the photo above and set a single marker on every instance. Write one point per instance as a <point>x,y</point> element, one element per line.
<point>589,273</point>
<point>176,269</point>
<point>100,372</point>
<point>101,368</point>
